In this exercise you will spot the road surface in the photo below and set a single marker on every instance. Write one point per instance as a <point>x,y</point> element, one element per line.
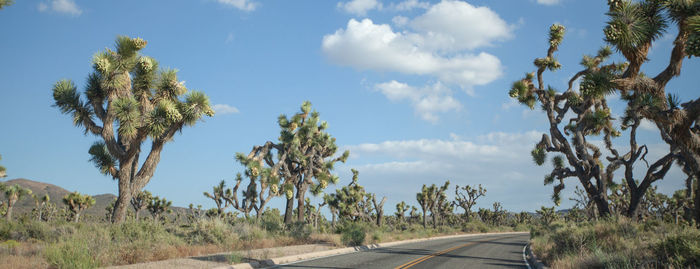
<point>485,251</point>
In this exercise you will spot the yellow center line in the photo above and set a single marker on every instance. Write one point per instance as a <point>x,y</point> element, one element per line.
<point>422,259</point>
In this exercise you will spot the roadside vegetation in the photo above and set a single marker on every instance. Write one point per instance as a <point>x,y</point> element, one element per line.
<point>620,221</point>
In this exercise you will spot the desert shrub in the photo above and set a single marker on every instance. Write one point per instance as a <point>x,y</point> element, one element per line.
<point>248,232</point>
<point>76,252</point>
<point>210,231</point>
<point>299,231</point>
<point>353,234</point>
<point>680,250</point>
<point>272,221</point>
<point>474,227</point>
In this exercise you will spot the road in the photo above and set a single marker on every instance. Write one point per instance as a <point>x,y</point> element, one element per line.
<point>485,251</point>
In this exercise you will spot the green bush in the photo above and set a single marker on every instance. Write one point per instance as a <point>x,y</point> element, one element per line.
<point>300,230</point>
<point>475,227</point>
<point>353,234</point>
<point>680,250</point>
<point>272,221</point>
<point>211,231</point>
<point>76,252</point>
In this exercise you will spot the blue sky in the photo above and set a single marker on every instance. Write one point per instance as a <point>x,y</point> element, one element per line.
<point>416,90</point>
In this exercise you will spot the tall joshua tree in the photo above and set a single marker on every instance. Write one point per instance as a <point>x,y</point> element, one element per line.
<point>589,115</point>
<point>128,92</point>
<point>401,209</point>
<point>468,201</point>
<point>304,158</point>
<point>77,203</point>
<point>632,29</point>
<point>433,198</point>
<point>140,202</point>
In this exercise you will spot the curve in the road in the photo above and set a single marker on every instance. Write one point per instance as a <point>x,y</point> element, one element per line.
<point>486,251</point>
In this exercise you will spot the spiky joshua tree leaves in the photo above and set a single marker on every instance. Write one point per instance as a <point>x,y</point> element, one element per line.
<point>77,203</point>
<point>5,3</point>
<point>133,101</point>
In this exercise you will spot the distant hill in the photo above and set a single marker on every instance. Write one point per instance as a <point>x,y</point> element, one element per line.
<point>56,195</point>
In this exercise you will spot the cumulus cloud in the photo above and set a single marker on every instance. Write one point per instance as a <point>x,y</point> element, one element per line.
<point>647,125</point>
<point>426,101</point>
<point>359,7</point>
<point>245,5</point>
<point>548,2</point>
<point>366,45</point>
<point>223,109</point>
<point>457,25</point>
<point>61,6</point>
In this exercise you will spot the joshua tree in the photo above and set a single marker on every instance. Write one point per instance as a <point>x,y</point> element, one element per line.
<point>263,184</point>
<point>433,198</point>
<point>140,201</point>
<point>547,215</point>
<point>3,171</point>
<point>77,203</point>
<point>41,206</point>
<point>13,194</point>
<point>351,201</point>
<point>304,153</point>
<point>413,214</point>
<point>195,213</point>
<point>401,209</point>
<point>467,201</point>
<point>158,206</point>
<point>129,91</point>
<point>523,218</point>
<point>332,207</point>
<point>221,196</point>
<point>379,208</point>
<point>590,116</point>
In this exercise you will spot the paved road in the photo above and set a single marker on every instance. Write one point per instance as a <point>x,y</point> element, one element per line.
<point>487,251</point>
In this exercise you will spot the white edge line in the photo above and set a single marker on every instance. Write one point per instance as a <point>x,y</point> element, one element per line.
<point>525,258</point>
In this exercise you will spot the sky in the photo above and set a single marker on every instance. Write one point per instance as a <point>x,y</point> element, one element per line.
<point>416,90</point>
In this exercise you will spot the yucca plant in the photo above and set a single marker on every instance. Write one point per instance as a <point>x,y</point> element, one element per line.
<point>133,101</point>
<point>140,201</point>
<point>158,206</point>
<point>304,159</point>
<point>77,203</point>
<point>13,194</point>
<point>586,112</point>
<point>5,3</point>
<point>465,197</point>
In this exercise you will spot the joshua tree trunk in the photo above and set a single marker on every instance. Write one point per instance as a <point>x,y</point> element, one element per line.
<point>425,219</point>
<point>301,193</point>
<point>289,211</point>
<point>76,217</point>
<point>10,205</point>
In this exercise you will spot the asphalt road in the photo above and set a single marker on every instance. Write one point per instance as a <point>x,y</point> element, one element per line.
<point>487,251</point>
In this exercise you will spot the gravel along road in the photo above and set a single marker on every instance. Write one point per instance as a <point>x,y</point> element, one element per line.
<point>487,251</point>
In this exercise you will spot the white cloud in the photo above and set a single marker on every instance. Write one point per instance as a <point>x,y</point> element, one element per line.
<point>409,5</point>
<point>548,2</point>
<point>60,6</point>
<point>647,125</point>
<point>223,109</point>
<point>499,161</point>
<point>245,5</point>
<point>426,101</point>
<point>359,7</point>
<point>400,21</point>
<point>366,45</point>
<point>456,25</point>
